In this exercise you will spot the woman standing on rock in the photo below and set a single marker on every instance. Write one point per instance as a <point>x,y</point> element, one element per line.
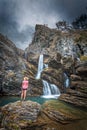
<point>25,84</point>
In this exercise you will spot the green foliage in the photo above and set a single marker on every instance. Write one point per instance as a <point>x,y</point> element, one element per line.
<point>83,58</point>
<point>24,72</point>
<point>80,22</point>
<point>82,37</point>
<point>13,126</point>
<point>61,25</point>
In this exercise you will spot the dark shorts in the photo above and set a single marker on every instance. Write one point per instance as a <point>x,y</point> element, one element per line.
<point>24,88</point>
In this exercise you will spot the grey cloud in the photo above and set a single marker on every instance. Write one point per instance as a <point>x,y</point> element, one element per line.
<point>19,17</point>
<point>69,9</point>
<point>9,25</point>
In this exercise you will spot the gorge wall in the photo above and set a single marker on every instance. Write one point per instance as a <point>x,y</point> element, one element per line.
<point>64,52</point>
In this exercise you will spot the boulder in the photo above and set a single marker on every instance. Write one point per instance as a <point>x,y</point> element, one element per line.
<point>19,115</point>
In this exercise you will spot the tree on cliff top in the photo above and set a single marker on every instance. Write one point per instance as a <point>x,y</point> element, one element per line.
<point>80,22</point>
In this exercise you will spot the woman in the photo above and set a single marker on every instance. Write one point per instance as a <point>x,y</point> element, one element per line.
<point>25,84</point>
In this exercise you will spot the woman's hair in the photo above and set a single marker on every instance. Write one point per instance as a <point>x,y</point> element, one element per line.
<point>25,78</point>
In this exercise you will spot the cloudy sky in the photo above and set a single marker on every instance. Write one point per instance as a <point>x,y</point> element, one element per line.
<point>19,17</point>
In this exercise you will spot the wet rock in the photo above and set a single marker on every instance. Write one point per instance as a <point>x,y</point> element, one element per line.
<point>53,76</point>
<point>14,67</point>
<point>60,112</point>
<point>77,94</point>
<point>19,115</point>
<point>82,71</point>
<point>76,100</point>
<point>75,77</point>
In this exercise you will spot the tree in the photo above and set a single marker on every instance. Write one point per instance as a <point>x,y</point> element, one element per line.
<point>61,25</point>
<point>80,22</point>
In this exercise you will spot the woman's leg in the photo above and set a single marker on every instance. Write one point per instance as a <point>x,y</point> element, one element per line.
<point>25,94</point>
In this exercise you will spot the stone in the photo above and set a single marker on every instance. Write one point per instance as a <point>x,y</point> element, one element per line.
<point>20,114</point>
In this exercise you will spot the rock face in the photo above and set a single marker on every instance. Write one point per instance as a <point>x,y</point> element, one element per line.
<point>52,41</point>
<point>11,64</point>
<point>59,48</point>
<point>20,115</point>
<point>14,67</point>
<point>62,53</point>
<point>77,93</point>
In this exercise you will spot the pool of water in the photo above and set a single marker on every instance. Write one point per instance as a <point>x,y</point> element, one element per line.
<point>9,99</point>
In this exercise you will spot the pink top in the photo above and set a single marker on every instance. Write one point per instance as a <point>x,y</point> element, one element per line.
<point>25,84</point>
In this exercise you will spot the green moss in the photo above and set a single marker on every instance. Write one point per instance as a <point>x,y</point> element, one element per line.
<point>83,58</point>
<point>13,126</point>
<point>23,71</point>
<point>30,121</point>
<point>64,108</point>
<point>82,36</point>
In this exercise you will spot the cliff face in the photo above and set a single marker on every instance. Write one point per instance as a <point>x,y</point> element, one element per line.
<point>12,66</point>
<point>48,41</point>
<point>64,52</point>
<point>65,47</point>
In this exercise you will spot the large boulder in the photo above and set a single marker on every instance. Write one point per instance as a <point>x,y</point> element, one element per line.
<point>19,115</point>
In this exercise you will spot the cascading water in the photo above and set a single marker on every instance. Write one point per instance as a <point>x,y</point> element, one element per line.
<point>49,90</point>
<point>25,55</point>
<point>67,81</point>
<point>45,65</point>
<point>40,67</point>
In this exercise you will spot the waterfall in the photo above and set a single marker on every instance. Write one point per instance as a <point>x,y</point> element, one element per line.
<point>45,65</point>
<point>50,90</point>
<point>67,81</point>
<point>40,67</point>
<point>25,55</point>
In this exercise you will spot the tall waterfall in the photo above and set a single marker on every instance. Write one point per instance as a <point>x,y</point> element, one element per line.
<point>50,90</point>
<point>40,67</point>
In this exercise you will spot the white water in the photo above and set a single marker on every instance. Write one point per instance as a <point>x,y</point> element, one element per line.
<point>40,67</point>
<point>25,55</point>
<point>67,81</point>
<point>45,65</point>
<point>50,90</point>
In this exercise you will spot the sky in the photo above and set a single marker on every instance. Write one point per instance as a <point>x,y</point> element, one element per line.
<point>19,17</point>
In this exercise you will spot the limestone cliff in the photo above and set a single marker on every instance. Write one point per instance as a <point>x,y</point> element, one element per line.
<point>12,67</point>
<point>64,52</point>
<point>50,41</point>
